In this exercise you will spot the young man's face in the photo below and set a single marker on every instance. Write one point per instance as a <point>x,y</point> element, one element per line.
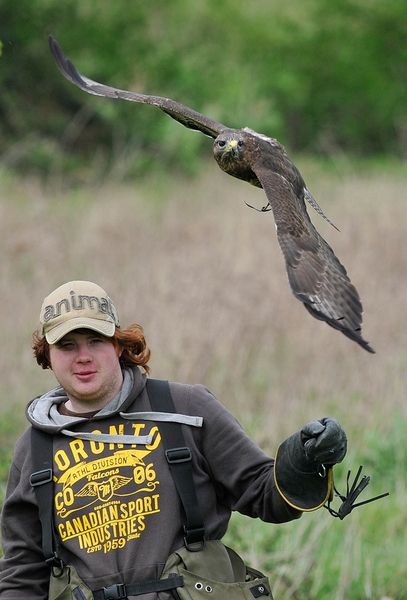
<point>87,366</point>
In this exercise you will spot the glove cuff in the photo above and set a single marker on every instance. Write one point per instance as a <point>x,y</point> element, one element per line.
<point>301,488</point>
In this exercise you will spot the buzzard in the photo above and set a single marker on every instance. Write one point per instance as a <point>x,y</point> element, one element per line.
<point>315,275</point>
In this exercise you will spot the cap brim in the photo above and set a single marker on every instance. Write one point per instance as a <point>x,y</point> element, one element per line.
<point>106,328</point>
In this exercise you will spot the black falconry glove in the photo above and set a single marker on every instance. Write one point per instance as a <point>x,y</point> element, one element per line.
<point>304,461</point>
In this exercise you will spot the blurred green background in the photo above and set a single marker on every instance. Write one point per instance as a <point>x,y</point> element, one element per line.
<point>321,76</point>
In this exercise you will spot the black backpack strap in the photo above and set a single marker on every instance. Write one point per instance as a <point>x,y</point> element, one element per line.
<point>41,480</point>
<point>179,459</point>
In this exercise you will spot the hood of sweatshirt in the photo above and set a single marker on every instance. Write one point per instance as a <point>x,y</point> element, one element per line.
<point>42,412</point>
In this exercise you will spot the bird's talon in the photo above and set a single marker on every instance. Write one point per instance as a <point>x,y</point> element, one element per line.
<point>265,208</point>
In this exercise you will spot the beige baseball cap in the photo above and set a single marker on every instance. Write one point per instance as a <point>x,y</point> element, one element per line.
<point>76,305</point>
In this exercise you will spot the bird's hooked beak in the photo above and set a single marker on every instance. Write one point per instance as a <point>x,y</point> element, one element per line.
<point>231,146</point>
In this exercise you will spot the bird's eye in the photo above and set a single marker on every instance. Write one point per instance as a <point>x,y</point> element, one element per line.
<point>240,143</point>
<point>221,143</point>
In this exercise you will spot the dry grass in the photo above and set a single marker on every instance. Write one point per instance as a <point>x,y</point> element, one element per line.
<point>204,276</point>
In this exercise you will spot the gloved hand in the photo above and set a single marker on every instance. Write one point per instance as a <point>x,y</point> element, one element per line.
<point>324,441</point>
<point>298,474</point>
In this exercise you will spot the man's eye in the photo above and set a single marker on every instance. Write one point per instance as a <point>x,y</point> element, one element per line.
<point>66,345</point>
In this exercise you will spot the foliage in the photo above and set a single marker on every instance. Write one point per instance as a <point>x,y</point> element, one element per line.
<point>318,75</point>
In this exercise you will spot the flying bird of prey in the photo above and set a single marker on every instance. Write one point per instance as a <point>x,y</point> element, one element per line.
<point>316,276</point>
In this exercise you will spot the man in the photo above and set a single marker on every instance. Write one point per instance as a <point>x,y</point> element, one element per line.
<point>117,512</point>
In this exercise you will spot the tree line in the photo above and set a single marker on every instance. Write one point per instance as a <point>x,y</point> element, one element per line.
<point>318,75</point>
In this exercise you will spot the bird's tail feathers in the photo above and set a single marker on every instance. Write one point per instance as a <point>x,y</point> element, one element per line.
<point>354,335</point>
<point>311,200</point>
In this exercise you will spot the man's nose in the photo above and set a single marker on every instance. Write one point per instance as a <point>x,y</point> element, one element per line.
<point>83,354</point>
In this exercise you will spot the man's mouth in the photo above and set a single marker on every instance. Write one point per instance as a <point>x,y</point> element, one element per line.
<point>84,374</point>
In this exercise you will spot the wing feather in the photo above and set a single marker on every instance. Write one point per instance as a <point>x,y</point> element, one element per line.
<point>315,274</point>
<point>183,114</point>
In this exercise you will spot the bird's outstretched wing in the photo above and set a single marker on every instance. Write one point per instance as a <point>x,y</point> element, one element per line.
<point>316,276</point>
<point>184,115</point>
<point>287,163</point>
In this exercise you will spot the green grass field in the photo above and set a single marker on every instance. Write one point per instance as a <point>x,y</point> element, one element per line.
<point>204,276</point>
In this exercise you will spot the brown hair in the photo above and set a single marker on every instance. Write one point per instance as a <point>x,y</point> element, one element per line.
<point>130,343</point>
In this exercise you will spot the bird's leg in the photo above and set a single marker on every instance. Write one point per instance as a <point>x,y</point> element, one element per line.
<point>265,208</point>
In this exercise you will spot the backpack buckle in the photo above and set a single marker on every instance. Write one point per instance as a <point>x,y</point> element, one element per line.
<point>178,455</point>
<point>115,592</point>
<point>41,477</point>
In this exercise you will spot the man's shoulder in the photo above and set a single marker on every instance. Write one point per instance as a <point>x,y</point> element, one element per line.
<point>25,438</point>
<point>190,392</point>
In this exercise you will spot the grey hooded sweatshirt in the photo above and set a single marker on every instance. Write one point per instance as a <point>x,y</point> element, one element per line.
<point>117,512</point>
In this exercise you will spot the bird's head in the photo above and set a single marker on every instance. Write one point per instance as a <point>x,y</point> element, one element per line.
<point>234,151</point>
<point>228,147</point>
